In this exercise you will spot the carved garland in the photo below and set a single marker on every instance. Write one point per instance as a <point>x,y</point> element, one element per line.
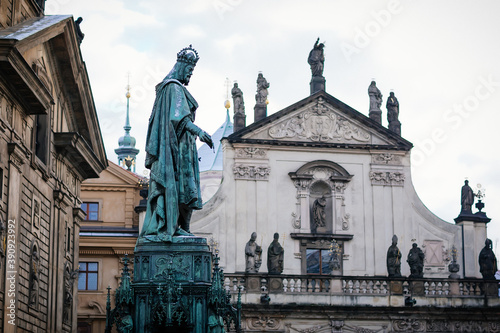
<point>386,158</point>
<point>251,172</point>
<point>251,152</point>
<point>388,178</point>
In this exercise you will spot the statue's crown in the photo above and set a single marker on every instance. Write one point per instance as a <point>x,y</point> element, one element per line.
<point>188,55</point>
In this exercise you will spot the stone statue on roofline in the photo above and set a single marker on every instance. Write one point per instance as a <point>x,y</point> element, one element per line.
<point>416,262</point>
<point>253,255</point>
<point>394,259</point>
<point>467,199</point>
<point>262,85</point>
<point>375,95</point>
<point>393,113</point>
<point>171,155</point>
<point>488,261</point>
<point>238,103</point>
<point>316,59</point>
<point>275,254</point>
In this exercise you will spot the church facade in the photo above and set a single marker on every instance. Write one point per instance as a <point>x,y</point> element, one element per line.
<point>50,141</point>
<point>334,187</point>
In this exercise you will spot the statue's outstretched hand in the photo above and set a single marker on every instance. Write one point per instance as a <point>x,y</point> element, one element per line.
<point>204,137</point>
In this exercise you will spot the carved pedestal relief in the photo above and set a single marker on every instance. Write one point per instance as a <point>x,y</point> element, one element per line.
<point>320,198</point>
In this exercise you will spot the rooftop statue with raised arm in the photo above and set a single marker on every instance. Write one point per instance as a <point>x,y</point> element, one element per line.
<point>171,155</point>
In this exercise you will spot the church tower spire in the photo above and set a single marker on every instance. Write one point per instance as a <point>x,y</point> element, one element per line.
<point>126,150</point>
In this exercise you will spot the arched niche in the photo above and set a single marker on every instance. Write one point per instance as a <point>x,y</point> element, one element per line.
<point>321,180</point>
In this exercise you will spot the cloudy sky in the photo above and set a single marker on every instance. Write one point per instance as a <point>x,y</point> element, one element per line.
<point>441,58</point>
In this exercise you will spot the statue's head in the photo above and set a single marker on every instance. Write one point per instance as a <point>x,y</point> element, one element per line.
<point>276,236</point>
<point>183,68</point>
<point>391,94</point>
<point>488,243</point>
<point>466,182</point>
<point>394,239</point>
<point>414,245</point>
<point>235,85</point>
<point>253,237</point>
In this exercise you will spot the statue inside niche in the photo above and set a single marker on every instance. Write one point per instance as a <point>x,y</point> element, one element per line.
<point>416,261</point>
<point>34,278</point>
<point>275,256</point>
<point>253,255</point>
<point>394,259</point>
<point>319,214</point>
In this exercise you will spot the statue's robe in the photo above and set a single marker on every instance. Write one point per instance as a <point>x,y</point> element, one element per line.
<point>172,157</point>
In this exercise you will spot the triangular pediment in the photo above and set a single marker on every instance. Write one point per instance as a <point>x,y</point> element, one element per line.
<point>114,175</point>
<point>321,119</point>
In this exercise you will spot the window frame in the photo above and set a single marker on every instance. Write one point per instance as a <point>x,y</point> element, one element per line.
<point>86,272</point>
<point>321,252</point>
<point>98,204</point>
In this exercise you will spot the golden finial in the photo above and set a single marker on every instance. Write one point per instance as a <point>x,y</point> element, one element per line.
<point>227,104</point>
<point>128,86</point>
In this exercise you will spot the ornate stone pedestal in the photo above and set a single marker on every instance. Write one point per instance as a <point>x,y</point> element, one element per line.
<point>260,111</point>
<point>239,121</point>
<point>317,83</point>
<point>175,289</point>
<point>182,271</point>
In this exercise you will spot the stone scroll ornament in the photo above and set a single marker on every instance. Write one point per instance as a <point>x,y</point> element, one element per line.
<point>319,124</point>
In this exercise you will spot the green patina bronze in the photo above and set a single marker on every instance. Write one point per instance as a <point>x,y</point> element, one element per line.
<point>177,284</point>
<point>171,155</point>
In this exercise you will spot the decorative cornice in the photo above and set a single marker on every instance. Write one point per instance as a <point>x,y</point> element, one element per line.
<point>35,98</point>
<point>77,150</point>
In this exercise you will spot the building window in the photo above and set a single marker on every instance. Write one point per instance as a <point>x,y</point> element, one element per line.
<point>92,211</point>
<point>318,261</point>
<point>87,276</point>
<point>68,239</point>
<point>41,138</point>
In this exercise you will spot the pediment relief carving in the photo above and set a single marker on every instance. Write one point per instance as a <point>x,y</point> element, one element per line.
<point>319,123</point>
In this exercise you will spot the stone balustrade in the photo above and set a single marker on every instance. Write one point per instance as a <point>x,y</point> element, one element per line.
<point>362,290</point>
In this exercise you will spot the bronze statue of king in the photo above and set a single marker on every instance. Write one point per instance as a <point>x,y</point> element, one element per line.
<point>171,155</point>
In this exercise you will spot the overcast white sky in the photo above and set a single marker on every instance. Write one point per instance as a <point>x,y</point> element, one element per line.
<point>441,58</point>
